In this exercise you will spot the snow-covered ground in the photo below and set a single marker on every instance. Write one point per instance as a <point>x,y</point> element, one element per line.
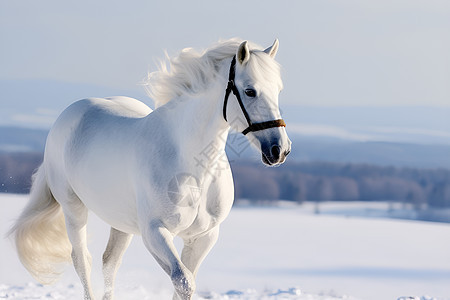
<point>268,253</point>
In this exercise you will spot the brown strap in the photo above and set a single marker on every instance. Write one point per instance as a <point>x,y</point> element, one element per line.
<point>264,125</point>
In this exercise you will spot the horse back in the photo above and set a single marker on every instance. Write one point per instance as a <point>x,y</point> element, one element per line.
<point>88,122</point>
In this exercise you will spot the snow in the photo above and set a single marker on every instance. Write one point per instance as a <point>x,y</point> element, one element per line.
<point>268,253</point>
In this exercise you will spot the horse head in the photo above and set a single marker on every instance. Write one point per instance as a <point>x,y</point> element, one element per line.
<point>255,81</point>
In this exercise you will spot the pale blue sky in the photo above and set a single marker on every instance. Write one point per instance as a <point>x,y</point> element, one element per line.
<point>369,53</point>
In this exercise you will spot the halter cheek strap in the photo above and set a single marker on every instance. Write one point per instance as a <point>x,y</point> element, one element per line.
<point>231,87</point>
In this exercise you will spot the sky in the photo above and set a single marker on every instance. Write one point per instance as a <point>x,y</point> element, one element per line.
<point>349,53</point>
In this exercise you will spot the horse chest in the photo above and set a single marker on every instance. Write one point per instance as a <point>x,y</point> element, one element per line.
<point>203,222</point>
<point>197,206</point>
<point>195,221</point>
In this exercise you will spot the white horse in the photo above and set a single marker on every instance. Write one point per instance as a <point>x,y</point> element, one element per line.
<point>160,174</point>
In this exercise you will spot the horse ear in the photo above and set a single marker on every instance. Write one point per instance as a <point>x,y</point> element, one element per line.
<point>243,53</point>
<point>272,50</point>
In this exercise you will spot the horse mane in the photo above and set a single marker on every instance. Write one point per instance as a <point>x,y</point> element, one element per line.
<point>190,72</point>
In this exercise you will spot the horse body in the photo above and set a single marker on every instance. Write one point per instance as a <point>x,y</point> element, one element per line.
<point>92,133</point>
<point>160,174</point>
<point>80,149</point>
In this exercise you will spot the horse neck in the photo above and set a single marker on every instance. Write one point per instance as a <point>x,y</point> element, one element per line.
<point>197,122</point>
<point>200,120</point>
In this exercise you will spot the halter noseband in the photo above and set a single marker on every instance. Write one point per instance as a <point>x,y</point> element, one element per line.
<point>231,87</point>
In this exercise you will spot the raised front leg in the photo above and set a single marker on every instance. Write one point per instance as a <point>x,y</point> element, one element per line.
<point>159,241</point>
<point>112,258</point>
<point>196,249</point>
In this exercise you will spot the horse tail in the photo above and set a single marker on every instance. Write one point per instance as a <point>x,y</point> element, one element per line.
<point>40,233</point>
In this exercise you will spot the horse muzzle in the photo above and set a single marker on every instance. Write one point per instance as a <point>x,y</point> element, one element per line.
<point>274,155</point>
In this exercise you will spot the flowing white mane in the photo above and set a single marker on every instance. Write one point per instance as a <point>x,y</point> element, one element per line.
<point>191,71</point>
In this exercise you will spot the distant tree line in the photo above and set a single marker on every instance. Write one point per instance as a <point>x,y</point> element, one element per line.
<point>315,181</point>
<point>320,181</point>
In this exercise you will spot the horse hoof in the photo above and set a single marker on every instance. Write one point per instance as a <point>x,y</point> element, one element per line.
<point>184,284</point>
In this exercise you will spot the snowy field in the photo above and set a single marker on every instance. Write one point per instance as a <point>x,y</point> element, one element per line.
<point>268,253</point>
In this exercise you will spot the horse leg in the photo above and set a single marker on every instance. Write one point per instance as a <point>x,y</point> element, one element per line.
<point>112,258</point>
<point>76,215</point>
<point>196,249</point>
<point>159,241</point>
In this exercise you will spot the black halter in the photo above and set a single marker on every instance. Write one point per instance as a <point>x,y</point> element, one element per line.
<point>231,87</point>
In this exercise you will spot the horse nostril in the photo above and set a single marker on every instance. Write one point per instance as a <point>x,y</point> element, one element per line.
<point>286,153</point>
<point>275,151</point>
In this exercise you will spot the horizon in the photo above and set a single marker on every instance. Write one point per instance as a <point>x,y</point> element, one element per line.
<point>42,101</point>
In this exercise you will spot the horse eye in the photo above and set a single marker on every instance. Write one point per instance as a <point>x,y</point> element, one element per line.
<point>250,93</point>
